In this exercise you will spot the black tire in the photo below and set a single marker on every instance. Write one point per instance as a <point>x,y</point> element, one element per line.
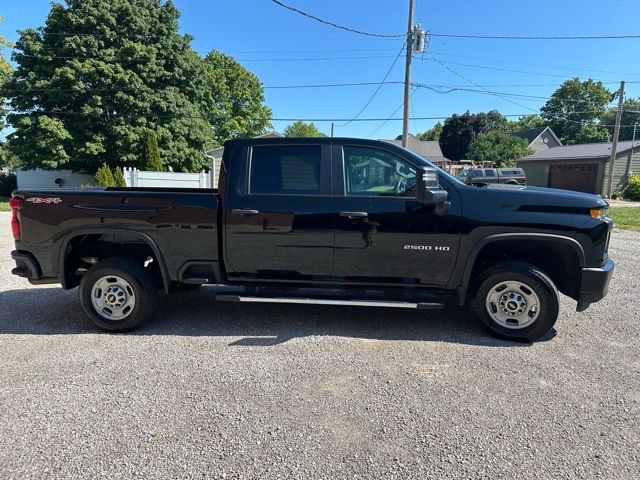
<point>141,283</point>
<point>517,328</point>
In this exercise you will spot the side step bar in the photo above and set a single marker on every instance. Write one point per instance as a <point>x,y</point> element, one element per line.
<point>331,301</point>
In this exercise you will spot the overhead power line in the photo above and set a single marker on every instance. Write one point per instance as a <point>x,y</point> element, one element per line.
<point>332,24</point>
<point>497,94</point>
<point>437,87</point>
<point>370,34</point>
<point>554,75</point>
<point>142,59</point>
<point>275,119</point>
<point>388,119</point>
<point>478,85</point>
<point>510,62</point>
<point>375,92</point>
<point>535,37</point>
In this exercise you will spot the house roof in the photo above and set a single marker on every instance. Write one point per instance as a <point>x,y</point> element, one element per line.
<point>427,149</point>
<point>585,150</point>
<point>530,134</point>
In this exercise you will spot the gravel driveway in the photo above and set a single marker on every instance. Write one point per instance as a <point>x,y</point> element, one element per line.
<point>277,391</point>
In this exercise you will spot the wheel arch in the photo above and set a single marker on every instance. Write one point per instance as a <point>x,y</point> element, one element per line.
<point>524,240</point>
<point>67,239</point>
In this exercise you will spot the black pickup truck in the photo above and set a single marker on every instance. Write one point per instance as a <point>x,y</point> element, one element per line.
<point>335,221</point>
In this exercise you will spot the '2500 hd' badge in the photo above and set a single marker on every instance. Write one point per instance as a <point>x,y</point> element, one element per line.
<point>38,200</point>
<point>428,248</point>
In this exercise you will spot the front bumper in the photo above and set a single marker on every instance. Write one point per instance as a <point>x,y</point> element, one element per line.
<point>594,284</point>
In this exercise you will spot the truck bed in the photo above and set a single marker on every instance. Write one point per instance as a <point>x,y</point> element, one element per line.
<point>181,223</point>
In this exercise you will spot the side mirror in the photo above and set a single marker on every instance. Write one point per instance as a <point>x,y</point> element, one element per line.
<point>428,190</point>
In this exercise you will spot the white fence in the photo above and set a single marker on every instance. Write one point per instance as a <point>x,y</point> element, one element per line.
<point>40,179</point>
<point>141,178</point>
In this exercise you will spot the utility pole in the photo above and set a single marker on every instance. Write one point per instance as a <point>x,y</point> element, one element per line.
<point>627,171</point>
<point>616,134</point>
<point>332,124</point>
<point>407,77</point>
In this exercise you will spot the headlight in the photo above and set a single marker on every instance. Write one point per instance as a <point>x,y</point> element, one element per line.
<point>599,212</point>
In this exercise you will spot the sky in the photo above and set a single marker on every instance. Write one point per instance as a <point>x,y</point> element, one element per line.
<point>286,49</point>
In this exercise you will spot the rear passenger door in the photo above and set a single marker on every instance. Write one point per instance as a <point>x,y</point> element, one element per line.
<point>278,220</point>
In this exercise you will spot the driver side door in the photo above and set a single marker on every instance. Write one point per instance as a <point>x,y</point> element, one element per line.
<point>384,236</point>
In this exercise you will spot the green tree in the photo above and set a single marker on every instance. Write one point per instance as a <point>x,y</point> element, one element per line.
<point>104,177</point>
<point>120,69</point>
<point>630,116</point>
<point>459,131</point>
<point>302,129</point>
<point>526,122</point>
<point>592,134</point>
<point>5,71</point>
<point>499,147</point>
<point>152,162</point>
<point>234,99</point>
<point>574,109</point>
<point>7,159</point>
<point>433,134</point>
<point>118,177</point>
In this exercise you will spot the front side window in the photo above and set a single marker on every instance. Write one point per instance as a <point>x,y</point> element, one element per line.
<point>477,174</point>
<point>372,172</point>
<point>285,170</point>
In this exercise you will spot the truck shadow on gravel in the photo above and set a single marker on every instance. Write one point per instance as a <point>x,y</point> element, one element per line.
<point>53,311</point>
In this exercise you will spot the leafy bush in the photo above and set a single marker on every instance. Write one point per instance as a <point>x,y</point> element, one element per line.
<point>617,195</point>
<point>104,177</point>
<point>632,192</point>
<point>8,183</point>
<point>118,177</point>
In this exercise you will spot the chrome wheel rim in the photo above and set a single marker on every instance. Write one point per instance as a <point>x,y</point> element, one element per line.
<point>513,304</point>
<point>113,297</point>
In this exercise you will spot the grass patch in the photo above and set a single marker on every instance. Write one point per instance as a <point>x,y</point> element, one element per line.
<point>627,218</point>
<point>4,204</point>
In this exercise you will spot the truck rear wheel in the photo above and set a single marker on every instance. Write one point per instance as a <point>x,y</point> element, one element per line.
<point>517,301</point>
<point>118,294</point>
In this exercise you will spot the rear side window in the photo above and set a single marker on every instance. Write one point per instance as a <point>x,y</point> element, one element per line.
<point>285,170</point>
<point>489,173</point>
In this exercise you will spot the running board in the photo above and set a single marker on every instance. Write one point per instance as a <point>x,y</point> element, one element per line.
<point>331,301</point>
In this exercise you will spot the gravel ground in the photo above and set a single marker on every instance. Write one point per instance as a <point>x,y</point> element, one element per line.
<point>277,391</point>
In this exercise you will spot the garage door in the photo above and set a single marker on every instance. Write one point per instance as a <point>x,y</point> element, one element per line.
<point>580,177</point>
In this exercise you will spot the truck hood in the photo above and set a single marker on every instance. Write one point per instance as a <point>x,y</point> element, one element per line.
<point>515,197</point>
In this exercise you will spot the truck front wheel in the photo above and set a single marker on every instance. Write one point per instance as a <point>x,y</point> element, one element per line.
<point>515,300</point>
<point>118,294</point>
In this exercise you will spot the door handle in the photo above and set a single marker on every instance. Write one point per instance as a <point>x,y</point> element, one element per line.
<point>245,212</point>
<point>354,214</point>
